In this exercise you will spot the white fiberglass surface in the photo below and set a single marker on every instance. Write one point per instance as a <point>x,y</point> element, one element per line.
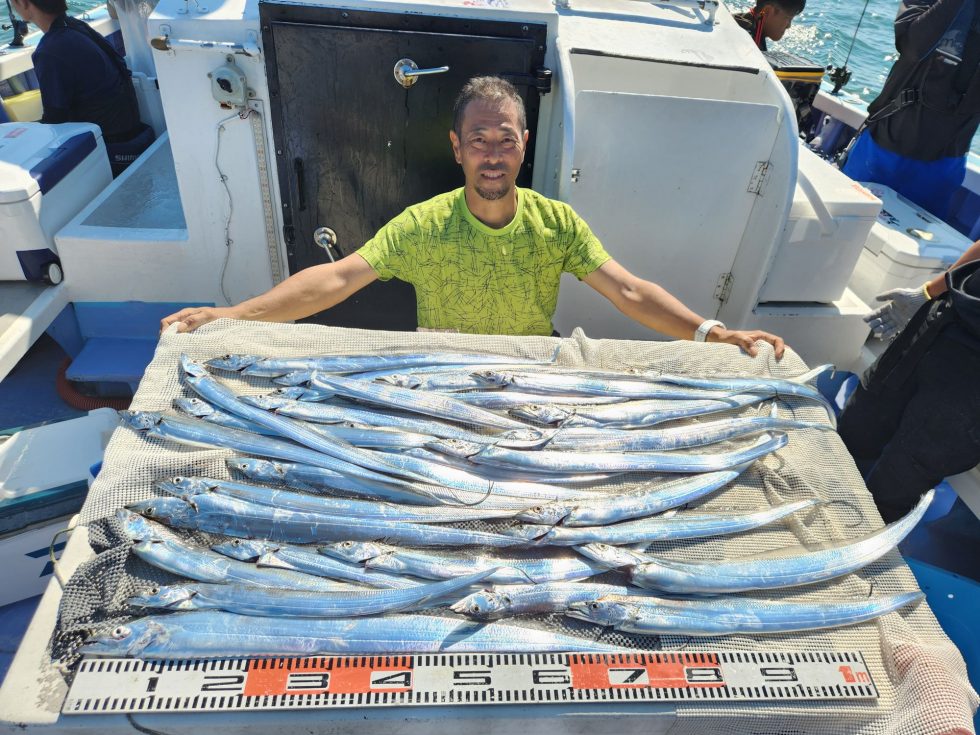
<point>147,199</point>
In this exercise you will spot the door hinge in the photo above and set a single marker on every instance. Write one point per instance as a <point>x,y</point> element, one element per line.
<point>723,289</point>
<point>760,177</point>
<point>540,79</point>
<point>288,234</point>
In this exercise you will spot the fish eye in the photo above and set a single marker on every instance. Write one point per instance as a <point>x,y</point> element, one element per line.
<point>154,590</point>
<point>120,632</point>
<point>347,544</point>
<point>236,542</point>
<point>149,511</point>
<point>474,608</point>
<point>178,478</point>
<point>594,605</point>
<point>506,599</point>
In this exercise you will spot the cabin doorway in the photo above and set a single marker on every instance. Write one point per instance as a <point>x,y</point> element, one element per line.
<point>354,147</point>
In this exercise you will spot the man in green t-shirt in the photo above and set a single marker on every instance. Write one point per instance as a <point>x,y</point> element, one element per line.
<point>487,258</point>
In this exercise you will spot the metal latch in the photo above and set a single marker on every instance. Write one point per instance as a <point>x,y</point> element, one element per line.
<point>326,239</point>
<point>540,79</point>
<point>760,175</point>
<point>723,289</point>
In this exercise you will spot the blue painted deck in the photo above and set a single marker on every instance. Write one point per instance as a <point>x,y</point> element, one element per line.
<point>14,619</point>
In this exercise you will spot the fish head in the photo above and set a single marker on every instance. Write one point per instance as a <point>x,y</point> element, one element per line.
<point>524,438</point>
<point>171,597</point>
<point>402,381</point>
<point>612,557</point>
<point>549,515</point>
<point>294,378</point>
<point>484,604</point>
<point>266,402</point>
<point>290,393</point>
<point>541,414</point>
<point>454,447</point>
<point>135,526</point>
<point>161,509</point>
<point>600,611</point>
<point>194,406</point>
<point>244,549</point>
<point>185,488</point>
<point>233,362</point>
<point>141,420</point>
<point>493,377</point>
<point>256,469</point>
<point>129,640</point>
<point>353,551</point>
<point>192,367</point>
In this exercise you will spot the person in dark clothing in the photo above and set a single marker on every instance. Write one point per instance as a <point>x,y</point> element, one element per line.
<point>81,76</point>
<point>769,19</point>
<point>920,127</point>
<point>915,417</point>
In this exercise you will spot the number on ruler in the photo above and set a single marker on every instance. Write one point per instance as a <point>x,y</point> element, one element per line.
<point>778,673</point>
<point>639,676</point>
<point>391,679</point>
<point>223,683</point>
<point>551,676</point>
<point>473,678</point>
<point>308,680</point>
<point>703,674</point>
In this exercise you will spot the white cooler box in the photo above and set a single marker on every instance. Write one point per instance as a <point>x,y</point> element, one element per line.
<point>47,174</point>
<point>823,237</point>
<point>907,247</point>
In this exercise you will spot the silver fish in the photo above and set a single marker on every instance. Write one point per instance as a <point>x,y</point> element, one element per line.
<point>203,565</point>
<point>271,366</point>
<point>676,437</point>
<point>584,384</point>
<point>766,572</point>
<point>670,526</point>
<point>317,479</point>
<point>551,461</point>
<point>647,500</point>
<point>504,400</point>
<point>556,567</point>
<point>212,634</point>
<point>533,599</point>
<point>728,616</point>
<point>246,600</point>
<point>356,509</point>
<point>231,517</point>
<point>201,409</point>
<point>629,415</point>
<point>320,565</point>
<point>430,404</point>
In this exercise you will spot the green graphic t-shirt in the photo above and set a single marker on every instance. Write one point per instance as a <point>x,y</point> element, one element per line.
<point>472,278</point>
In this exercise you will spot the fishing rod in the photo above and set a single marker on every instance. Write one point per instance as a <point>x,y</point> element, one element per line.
<point>19,26</point>
<point>841,75</point>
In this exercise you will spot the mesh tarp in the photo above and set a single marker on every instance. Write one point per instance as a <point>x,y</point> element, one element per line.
<point>920,675</point>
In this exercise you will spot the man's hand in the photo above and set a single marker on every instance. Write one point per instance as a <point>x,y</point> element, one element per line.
<point>193,317</point>
<point>746,339</point>
<point>900,304</point>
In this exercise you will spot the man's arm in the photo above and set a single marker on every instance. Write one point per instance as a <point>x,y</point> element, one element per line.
<point>937,285</point>
<point>305,293</point>
<point>921,23</point>
<point>652,306</point>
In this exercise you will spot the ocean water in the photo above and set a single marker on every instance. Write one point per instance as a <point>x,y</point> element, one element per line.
<point>822,33</point>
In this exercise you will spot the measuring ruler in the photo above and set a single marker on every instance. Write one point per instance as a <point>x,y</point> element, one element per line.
<point>132,685</point>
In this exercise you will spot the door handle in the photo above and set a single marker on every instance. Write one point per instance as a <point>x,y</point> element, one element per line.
<point>407,72</point>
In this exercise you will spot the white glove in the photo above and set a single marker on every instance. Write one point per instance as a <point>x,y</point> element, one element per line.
<point>900,304</point>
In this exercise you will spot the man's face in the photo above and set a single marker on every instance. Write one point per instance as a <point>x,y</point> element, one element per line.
<point>777,22</point>
<point>490,147</point>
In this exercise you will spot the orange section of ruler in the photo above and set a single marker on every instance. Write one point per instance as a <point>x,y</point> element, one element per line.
<point>664,671</point>
<point>334,675</point>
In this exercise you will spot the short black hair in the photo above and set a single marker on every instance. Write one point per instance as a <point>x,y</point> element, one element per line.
<point>793,7</point>
<point>51,7</point>
<point>489,89</point>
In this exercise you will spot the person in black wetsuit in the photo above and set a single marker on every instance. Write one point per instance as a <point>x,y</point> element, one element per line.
<point>919,129</point>
<point>769,19</point>
<point>915,417</point>
<point>81,76</point>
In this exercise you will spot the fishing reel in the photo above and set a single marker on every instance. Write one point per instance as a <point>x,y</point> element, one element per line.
<point>839,75</point>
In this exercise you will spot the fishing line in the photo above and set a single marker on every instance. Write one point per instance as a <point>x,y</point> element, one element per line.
<point>223,178</point>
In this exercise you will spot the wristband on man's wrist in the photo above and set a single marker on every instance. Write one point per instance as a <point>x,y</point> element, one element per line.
<point>701,333</point>
<point>925,291</point>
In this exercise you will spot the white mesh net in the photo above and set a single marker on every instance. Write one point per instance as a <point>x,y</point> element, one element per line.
<point>920,675</point>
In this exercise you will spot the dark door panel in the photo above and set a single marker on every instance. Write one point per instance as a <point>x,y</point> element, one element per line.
<point>356,147</point>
